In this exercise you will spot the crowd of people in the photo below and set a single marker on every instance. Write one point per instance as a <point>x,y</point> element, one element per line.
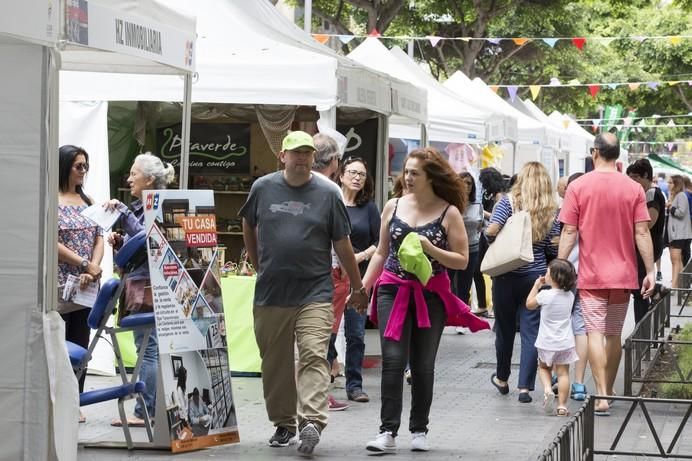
<point>411,269</point>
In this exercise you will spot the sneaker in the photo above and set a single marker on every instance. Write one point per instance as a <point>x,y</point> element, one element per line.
<point>308,439</point>
<point>407,375</point>
<point>383,443</point>
<point>335,405</point>
<point>460,330</point>
<point>358,395</point>
<point>659,276</point>
<point>525,397</point>
<point>548,401</point>
<point>578,392</point>
<point>282,438</point>
<point>419,441</point>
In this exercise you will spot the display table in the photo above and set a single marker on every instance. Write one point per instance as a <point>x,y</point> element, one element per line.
<point>243,354</point>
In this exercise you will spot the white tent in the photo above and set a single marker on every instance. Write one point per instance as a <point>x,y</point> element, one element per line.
<point>38,392</point>
<point>248,53</point>
<point>580,140</point>
<point>536,140</point>
<point>450,119</point>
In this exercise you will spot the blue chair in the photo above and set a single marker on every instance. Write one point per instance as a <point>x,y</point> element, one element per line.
<point>131,255</point>
<point>120,393</point>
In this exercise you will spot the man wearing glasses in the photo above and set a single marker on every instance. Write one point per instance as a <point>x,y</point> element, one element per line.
<point>290,221</point>
<point>608,211</point>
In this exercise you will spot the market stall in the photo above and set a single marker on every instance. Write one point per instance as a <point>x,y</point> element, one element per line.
<point>38,396</point>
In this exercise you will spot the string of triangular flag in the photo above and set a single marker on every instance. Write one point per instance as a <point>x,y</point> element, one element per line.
<point>593,88</point>
<point>632,118</point>
<point>578,42</point>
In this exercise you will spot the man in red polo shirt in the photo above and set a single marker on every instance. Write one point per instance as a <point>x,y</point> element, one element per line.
<point>607,211</point>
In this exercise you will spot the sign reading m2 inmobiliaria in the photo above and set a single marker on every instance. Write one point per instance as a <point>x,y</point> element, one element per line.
<point>184,271</point>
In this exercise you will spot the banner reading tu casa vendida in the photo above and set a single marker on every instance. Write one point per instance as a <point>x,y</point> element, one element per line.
<point>182,250</point>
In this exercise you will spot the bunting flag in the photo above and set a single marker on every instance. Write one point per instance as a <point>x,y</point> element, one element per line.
<point>434,40</point>
<point>612,86</point>
<point>345,38</point>
<point>322,38</point>
<point>512,90</point>
<point>579,42</point>
<point>670,123</point>
<point>550,41</point>
<point>494,88</point>
<point>554,81</point>
<point>565,124</point>
<point>652,85</point>
<point>594,89</point>
<point>535,89</point>
<point>633,86</point>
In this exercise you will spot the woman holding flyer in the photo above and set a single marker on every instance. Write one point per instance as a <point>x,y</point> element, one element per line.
<point>147,173</point>
<point>80,245</point>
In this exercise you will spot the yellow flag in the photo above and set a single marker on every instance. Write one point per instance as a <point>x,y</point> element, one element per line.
<point>535,89</point>
<point>675,40</point>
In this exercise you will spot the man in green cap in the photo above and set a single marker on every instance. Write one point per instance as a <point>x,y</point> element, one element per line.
<point>290,221</point>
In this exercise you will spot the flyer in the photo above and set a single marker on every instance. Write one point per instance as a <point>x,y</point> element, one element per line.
<point>184,271</point>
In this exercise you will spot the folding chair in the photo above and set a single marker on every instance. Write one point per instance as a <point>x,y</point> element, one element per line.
<point>122,392</point>
<point>131,255</point>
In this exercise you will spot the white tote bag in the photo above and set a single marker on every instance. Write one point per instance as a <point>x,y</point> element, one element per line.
<point>513,246</point>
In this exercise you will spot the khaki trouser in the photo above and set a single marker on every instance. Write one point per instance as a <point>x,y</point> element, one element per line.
<point>276,331</point>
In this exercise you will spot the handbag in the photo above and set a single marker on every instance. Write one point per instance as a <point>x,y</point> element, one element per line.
<point>513,246</point>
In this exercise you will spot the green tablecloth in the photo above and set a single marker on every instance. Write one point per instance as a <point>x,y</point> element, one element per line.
<point>238,293</point>
<point>243,354</point>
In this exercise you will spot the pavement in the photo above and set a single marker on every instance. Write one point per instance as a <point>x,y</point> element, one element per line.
<point>469,419</point>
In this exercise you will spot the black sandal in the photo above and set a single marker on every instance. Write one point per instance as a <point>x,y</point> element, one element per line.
<point>504,390</point>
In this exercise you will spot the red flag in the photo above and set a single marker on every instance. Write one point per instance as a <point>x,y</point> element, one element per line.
<point>374,32</point>
<point>594,89</point>
<point>579,42</point>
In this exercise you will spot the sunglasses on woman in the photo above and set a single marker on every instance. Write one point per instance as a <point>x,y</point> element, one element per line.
<point>83,167</point>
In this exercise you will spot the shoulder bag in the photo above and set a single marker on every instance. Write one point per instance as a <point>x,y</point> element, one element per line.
<point>513,246</point>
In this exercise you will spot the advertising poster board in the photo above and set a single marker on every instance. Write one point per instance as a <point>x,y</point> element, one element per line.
<point>196,379</point>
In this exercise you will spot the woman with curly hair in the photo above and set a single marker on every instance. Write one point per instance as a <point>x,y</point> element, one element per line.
<point>532,192</point>
<point>413,308</point>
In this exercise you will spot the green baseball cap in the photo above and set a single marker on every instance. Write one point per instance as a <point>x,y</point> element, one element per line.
<point>296,139</point>
<point>413,259</point>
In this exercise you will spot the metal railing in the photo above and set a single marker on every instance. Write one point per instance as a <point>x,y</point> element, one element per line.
<point>648,335</point>
<point>574,440</point>
<point>642,403</point>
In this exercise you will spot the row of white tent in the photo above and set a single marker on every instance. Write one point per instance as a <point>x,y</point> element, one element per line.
<point>249,53</point>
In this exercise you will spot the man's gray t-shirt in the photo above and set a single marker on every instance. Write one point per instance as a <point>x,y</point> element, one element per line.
<point>295,230</point>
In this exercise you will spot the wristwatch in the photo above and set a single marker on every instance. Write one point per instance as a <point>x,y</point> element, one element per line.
<point>84,265</point>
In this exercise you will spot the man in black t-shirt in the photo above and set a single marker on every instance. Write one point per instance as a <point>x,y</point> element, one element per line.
<point>641,172</point>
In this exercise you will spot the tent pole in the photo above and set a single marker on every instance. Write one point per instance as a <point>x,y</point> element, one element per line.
<point>185,129</point>
<point>382,161</point>
<point>307,17</point>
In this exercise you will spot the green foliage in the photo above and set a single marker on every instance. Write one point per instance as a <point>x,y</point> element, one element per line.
<point>680,391</point>
<point>622,60</point>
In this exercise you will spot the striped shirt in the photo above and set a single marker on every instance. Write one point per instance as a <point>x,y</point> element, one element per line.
<point>501,213</point>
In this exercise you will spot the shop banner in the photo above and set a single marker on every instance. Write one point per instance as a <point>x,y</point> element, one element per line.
<point>182,251</point>
<point>98,25</point>
<point>215,148</point>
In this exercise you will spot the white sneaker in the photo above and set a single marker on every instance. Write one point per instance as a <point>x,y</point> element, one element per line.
<point>419,441</point>
<point>308,438</point>
<point>383,443</point>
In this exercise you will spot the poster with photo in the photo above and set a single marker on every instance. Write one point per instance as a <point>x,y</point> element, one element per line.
<point>183,262</point>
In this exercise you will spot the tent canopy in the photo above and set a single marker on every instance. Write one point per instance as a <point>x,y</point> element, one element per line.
<point>450,119</point>
<point>668,164</point>
<point>248,53</point>
<point>530,130</point>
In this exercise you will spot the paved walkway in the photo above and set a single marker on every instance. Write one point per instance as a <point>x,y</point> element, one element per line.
<point>470,420</point>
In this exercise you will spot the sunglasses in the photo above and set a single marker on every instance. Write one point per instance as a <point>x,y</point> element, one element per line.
<point>84,167</point>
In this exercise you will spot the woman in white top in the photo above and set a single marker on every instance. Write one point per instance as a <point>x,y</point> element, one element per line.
<point>679,226</point>
<point>555,341</point>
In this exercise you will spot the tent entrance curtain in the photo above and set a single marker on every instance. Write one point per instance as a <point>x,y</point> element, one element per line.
<point>275,123</point>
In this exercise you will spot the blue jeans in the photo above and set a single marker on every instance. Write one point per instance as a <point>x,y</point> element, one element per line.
<point>509,303</point>
<point>354,330</point>
<point>148,372</point>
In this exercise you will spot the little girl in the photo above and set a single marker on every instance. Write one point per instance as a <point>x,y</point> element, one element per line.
<point>555,341</point>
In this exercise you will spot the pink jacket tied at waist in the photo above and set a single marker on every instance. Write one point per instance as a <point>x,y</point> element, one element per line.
<point>458,312</point>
